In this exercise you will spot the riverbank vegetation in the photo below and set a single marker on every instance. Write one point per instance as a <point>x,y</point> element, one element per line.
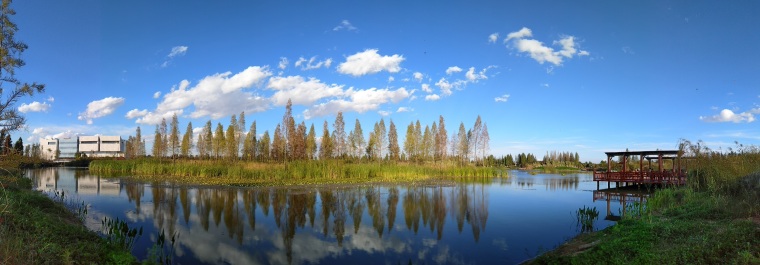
<point>714,219</point>
<point>210,172</point>
<point>37,230</point>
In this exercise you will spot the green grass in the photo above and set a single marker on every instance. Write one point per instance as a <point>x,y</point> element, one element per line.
<point>36,230</point>
<point>240,173</point>
<point>715,219</point>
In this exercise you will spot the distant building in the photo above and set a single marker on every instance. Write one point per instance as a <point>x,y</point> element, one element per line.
<point>91,146</point>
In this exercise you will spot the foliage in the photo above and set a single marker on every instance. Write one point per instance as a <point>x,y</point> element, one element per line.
<point>586,216</point>
<point>296,172</point>
<point>715,219</point>
<point>37,230</point>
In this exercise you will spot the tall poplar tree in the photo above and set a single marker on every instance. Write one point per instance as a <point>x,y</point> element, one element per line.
<point>231,143</point>
<point>325,143</point>
<point>264,152</point>
<point>174,142</point>
<point>339,135</point>
<point>311,143</point>
<point>187,141</point>
<point>393,148</point>
<point>219,141</point>
<point>440,139</point>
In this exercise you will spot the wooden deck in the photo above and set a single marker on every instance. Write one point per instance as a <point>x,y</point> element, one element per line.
<point>642,177</point>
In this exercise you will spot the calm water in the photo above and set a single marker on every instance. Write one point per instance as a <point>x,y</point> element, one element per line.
<point>504,221</point>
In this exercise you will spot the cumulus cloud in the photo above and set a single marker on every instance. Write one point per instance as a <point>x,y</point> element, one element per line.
<point>34,107</point>
<point>404,109</point>
<point>453,69</point>
<point>100,108</point>
<point>418,76</point>
<point>358,101</point>
<point>214,96</point>
<point>727,115</point>
<point>51,99</point>
<point>345,25</point>
<point>136,113</point>
<point>300,91</point>
<point>542,53</point>
<point>432,97</point>
<point>157,94</point>
<point>383,113</point>
<point>175,52</point>
<point>426,88</point>
<point>370,62</point>
<point>472,76</point>
<point>311,63</point>
<point>522,33</point>
<point>502,98</point>
<point>493,37</point>
<point>283,63</point>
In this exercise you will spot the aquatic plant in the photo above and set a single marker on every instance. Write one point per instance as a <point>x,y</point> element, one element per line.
<point>118,233</point>
<point>586,217</point>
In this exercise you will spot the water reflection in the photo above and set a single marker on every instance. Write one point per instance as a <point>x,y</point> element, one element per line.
<point>625,197</point>
<point>430,223</point>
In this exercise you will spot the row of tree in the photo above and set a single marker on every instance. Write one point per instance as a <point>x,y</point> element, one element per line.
<point>8,147</point>
<point>292,141</point>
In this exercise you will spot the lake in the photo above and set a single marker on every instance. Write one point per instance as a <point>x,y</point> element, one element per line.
<point>493,220</point>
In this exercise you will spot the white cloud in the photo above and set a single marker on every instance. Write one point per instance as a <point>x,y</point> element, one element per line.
<point>175,52</point>
<point>283,63</point>
<point>178,51</point>
<point>157,94</point>
<point>214,96</point>
<point>51,99</point>
<point>541,53</point>
<point>453,69</point>
<point>100,108</point>
<point>370,62</point>
<point>522,33</point>
<point>404,109</point>
<point>345,25</point>
<point>383,113</point>
<point>493,37</point>
<point>474,77</point>
<point>390,79</point>
<point>34,107</point>
<point>432,97</point>
<point>727,115</point>
<point>135,113</point>
<point>418,76</point>
<point>358,101</point>
<point>311,63</point>
<point>502,98</point>
<point>426,88</point>
<point>300,91</point>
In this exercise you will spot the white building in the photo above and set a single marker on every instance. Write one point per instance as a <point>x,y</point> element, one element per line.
<point>91,146</point>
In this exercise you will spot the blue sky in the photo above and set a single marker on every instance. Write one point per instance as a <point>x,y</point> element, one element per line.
<point>588,77</point>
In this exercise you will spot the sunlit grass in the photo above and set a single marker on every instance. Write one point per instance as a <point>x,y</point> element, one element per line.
<point>209,172</point>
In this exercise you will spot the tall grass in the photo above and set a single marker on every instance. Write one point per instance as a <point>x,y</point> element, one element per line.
<point>719,171</point>
<point>295,172</point>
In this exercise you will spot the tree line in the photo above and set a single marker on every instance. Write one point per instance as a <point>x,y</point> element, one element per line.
<point>295,141</point>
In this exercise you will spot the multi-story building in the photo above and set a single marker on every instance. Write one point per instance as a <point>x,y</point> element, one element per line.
<point>91,146</point>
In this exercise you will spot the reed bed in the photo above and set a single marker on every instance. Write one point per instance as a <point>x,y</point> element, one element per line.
<point>244,173</point>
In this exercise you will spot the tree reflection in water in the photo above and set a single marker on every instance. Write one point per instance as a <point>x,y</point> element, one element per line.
<point>232,209</point>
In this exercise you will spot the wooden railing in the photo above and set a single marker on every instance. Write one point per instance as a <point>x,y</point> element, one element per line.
<point>664,177</point>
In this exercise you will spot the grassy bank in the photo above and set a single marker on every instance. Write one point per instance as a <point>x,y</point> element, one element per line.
<point>715,219</point>
<point>34,229</point>
<point>209,172</point>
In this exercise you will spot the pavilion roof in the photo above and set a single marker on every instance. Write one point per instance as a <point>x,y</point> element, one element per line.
<point>644,153</point>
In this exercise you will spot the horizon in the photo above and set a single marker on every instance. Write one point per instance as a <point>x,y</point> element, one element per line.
<point>571,78</point>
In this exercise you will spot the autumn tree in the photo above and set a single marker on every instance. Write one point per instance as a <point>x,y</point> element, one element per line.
<point>10,60</point>
<point>219,141</point>
<point>139,144</point>
<point>326,143</point>
<point>157,139</point>
<point>339,135</point>
<point>231,144</point>
<point>393,148</point>
<point>174,142</point>
<point>187,141</point>
<point>279,148</point>
<point>249,145</point>
<point>264,147</point>
<point>356,140</point>
<point>440,140</point>
<point>311,143</point>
